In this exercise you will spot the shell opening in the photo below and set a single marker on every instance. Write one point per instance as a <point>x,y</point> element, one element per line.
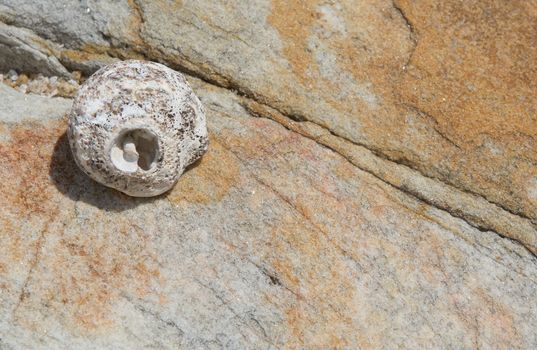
<point>135,149</point>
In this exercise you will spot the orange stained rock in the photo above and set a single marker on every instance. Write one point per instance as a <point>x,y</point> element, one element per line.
<point>209,179</point>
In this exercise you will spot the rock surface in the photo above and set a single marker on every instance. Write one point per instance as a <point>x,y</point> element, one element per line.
<point>371,180</point>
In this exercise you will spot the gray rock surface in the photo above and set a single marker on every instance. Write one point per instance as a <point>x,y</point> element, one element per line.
<point>343,202</point>
<point>17,108</point>
<point>383,90</point>
<point>24,50</point>
<point>271,241</point>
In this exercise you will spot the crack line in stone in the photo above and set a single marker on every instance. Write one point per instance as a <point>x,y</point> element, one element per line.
<point>244,92</point>
<point>402,188</point>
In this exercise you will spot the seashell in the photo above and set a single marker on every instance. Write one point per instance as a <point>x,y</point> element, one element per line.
<point>135,126</point>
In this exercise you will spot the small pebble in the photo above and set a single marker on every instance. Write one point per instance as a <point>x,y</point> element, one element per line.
<point>23,88</point>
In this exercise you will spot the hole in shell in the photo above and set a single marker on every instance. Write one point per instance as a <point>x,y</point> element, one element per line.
<point>135,149</point>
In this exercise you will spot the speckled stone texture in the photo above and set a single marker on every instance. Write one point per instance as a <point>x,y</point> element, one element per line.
<point>371,180</point>
<point>147,105</point>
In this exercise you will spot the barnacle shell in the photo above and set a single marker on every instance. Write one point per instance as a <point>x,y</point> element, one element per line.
<point>135,126</point>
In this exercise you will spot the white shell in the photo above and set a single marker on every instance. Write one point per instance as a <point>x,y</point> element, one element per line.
<point>135,126</point>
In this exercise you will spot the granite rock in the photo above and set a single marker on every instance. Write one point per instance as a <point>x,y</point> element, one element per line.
<point>371,180</point>
<point>23,49</point>
<point>412,88</point>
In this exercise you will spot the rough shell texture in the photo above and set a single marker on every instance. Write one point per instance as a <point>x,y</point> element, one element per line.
<point>135,126</point>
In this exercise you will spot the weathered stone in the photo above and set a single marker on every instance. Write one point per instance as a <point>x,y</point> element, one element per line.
<point>374,78</point>
<point>360,61</point>
<point>14,110</point>
<point>26,51</point>
<point>270,239</point>
<point>390,201</point>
